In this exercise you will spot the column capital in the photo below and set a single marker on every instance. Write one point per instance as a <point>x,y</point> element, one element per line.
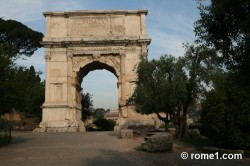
<point>47,56</point>
<point>69,56</point>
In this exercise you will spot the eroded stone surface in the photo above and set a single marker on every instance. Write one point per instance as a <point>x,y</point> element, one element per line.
<point>194,133</point>
<point>126,133</point>
<point>117,128</point>
<point>158,142</point>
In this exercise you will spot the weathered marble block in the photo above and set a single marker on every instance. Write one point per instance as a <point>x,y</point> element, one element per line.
<point>158,142</point>
<point>126,133</point>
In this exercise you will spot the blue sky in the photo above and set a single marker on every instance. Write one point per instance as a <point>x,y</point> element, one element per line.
<point>169,24</point>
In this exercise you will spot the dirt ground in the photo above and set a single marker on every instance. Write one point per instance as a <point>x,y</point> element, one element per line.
<point>93,148</point>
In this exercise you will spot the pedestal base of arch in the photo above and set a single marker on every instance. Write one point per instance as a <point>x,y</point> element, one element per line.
<point>61,118</point>
<point>130,119</point>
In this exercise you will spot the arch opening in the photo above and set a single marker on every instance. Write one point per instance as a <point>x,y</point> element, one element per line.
<point>95,65</point>
<point>102,85</point>
<point>104,97</point>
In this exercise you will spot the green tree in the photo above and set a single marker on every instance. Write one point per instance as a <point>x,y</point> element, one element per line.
<point>99,113</point>
<point>171,85</point>
<point>16,40</point>
<point>224,25</point>
<point>225,116</point>
<point>105,125</point>
<point>34,92</point>
<point>87,106</point>
<point>201,67</point>
<point>25,91</point>
<point>159,87</point>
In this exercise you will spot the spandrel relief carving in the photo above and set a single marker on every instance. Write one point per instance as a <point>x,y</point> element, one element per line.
<point>95,56</point>
<point>112,61</point>
<point>79,61</point>
<point>78,97</point>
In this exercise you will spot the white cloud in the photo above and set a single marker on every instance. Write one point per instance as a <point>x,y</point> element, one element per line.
<point>169,30</point>
<point>31,10</point>
<point>163,43</point>
<point>24,11</point>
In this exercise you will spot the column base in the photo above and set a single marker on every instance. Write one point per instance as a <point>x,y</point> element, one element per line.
<point>61,118</point>
<point>59,129</point>
<point>61,126</point>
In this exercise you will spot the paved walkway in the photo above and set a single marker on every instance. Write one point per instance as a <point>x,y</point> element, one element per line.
<point>90,149</point>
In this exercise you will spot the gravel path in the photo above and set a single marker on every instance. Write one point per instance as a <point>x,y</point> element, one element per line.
<point>91,148</point>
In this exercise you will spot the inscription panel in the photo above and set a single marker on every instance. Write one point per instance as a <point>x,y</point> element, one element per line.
<point>96,26</point>
<point>107,48</point>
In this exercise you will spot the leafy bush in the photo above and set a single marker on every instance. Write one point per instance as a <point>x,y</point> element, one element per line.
<point>4,139</point>
<point>105,125</point>
<point>5,133</point>
<point>225,118</point>
<point>2,124</point>
<point>162,126</point>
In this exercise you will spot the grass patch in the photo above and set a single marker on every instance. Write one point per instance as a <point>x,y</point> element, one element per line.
<point>5,133</point>
<point>247,153</point>
<point>199,143</point>
<point>4,140</point>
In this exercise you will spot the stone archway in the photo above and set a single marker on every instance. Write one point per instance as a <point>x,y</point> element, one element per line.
<point>77,42</point>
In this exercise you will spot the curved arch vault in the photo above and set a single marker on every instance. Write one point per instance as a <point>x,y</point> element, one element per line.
<point>77,42</point>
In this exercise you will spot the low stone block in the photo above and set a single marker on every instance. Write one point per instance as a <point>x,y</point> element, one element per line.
<point>126,133</point>
<point>194,133</point>
<point>82,129</point>
<point>117,128</point>
<point>158,143</point>
<point>72,129</point>
<point>172,131</point>
<point>58,129</point>
<point>58,124</point>
<point>39,130</point>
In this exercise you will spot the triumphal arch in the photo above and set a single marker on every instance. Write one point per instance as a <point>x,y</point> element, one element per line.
<point>77,42</point>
